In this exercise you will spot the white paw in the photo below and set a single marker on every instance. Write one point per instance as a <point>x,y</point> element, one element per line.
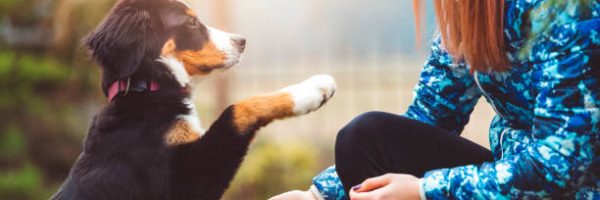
<point>312,93</point>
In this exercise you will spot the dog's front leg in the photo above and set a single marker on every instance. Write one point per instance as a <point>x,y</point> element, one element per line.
<point>204,168</point>
<point>256,112</point>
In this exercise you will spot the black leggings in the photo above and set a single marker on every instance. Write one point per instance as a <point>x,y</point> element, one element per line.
<point>376,143</point>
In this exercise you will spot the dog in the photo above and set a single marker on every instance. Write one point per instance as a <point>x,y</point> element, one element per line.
<point>147,142</point>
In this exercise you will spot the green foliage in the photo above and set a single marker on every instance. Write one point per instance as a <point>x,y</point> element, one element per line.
<point>41,68</point>
<point>272,168</point>
<point>8,3</point>
<point>12,144</point>
<point>41,100</point>
<point>24,183</point>
<point>24,75</point>
<point>6,58</point>
<point>31,68</point>
<point>5,4</point>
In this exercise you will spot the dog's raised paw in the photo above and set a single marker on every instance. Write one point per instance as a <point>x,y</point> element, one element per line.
<point>312,93</point>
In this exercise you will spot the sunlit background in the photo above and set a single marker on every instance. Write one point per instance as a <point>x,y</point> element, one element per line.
<point>49,89</point>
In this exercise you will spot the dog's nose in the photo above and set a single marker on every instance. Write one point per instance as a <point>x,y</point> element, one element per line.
<point>239,42</point>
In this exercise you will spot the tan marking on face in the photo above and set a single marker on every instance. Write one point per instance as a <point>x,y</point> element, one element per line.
<point>258,111</point>
<point>181,133</point>
<point>202,62</point>
<point>168,48</point>
<point>191,12</point>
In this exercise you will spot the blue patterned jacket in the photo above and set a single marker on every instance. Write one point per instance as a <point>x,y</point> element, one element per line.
<point>545,135</point>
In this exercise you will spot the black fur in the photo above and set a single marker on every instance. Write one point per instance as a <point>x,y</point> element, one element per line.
<point>203,170</point>
<point>125,155</point>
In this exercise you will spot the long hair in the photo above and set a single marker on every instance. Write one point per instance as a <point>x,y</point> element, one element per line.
<point>472,31</point>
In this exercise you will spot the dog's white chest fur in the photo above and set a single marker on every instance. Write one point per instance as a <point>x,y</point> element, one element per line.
<point>192,118</point>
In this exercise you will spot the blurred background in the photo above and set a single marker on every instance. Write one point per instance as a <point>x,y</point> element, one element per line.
<point>49,88</point>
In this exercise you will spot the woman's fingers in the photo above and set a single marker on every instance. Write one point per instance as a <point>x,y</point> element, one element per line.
<point>375,194</point>
<point>389,186</point>
<point>373,183</point>
<point>360,196</point>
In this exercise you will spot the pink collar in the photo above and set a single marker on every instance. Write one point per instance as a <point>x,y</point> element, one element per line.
<point>125,86</point>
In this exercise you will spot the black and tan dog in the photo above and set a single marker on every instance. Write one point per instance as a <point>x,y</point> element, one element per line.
<point>147,143</point>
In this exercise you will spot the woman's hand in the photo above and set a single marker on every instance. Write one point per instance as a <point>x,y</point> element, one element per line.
<point>295,195</point>
<point>387,187</point>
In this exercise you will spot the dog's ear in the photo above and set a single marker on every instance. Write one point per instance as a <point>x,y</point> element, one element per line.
<point>123,40</point>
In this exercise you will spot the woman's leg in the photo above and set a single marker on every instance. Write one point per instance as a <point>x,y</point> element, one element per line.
<point>377,143</point>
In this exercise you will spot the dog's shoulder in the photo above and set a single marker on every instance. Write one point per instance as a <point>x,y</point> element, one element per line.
<point>120,154</point>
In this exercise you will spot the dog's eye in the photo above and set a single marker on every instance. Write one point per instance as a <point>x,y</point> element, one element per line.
<point>193,22</point>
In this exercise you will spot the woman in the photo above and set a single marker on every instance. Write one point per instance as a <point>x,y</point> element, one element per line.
<point>537,62</point>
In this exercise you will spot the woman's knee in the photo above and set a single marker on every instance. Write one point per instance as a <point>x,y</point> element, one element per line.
<point>360,130</point>
<point>371,127</point>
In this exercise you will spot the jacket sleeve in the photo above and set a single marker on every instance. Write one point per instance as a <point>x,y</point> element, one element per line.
<point>443,89</point>
<point>329,185</point>
<point>446,93</point>
<point>565,126</point>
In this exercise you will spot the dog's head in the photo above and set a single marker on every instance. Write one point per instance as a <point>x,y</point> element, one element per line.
<point>160,39</point>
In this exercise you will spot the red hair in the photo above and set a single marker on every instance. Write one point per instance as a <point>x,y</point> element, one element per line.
<point>472,31</point>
